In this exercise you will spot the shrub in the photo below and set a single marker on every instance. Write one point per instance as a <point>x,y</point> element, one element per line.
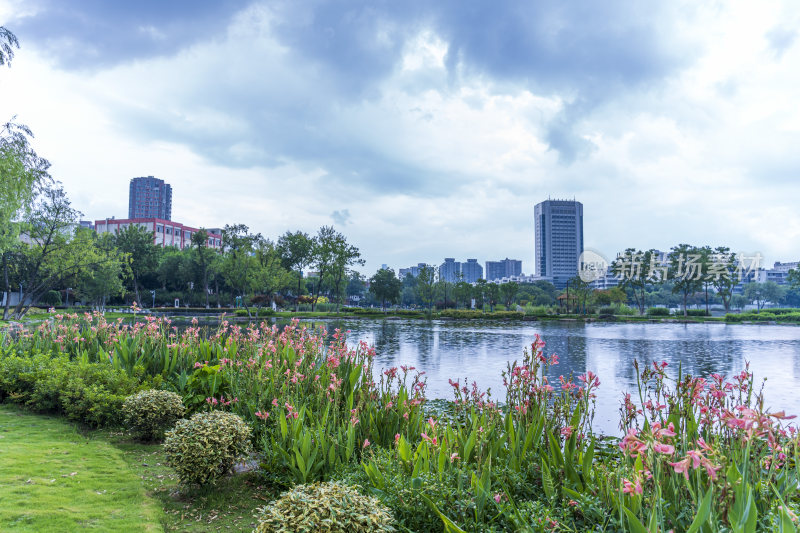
<point>325,507</point>
<point>151,412</point>
<point>606,311</point>
<point>537,310</point>
<point>206,446</point>
<point>51,299</point>
<point>696,312</point>
<point>480,315</point>
<point>657,311</point>
<point>89,393</point>
<point>92,393</point>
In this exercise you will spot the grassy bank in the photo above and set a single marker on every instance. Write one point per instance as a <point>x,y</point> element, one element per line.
<point>53,478</point>
<point>58,477</point>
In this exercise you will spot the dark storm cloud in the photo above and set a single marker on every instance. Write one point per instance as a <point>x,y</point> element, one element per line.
<point>585,53</point>
<point>589,51</point>
<point>94,34</point>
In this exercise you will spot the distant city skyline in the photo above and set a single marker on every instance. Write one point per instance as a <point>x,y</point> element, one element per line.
<point>426,131</point>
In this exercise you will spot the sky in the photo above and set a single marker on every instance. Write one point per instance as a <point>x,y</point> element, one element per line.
<point>425,129</point>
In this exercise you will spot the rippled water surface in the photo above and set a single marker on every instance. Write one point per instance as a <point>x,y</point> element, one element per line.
<point>480,352</point>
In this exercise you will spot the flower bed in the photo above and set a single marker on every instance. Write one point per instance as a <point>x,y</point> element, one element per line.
<point>698,453</point>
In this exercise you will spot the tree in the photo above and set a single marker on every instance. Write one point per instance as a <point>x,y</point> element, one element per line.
<point>614,295</point>
<point>203,256</point>
<point>480,293</point>
<point>426,287</point>
<point>325,250</point>
<point>507,293</point>
<point>356,286</point>
<point>637,272</point>
<point>142,253</point>
<point>239,268</point>
<point>793,278</point>
<point>56,250</point>
<point>22,174</point>
<point>297,252</point>
<point>104,280</point>
<point>581,292</point>
<point>463,292</point>
<point>271,277</point>
<point>8,41</point>
<point>493,294</point>
<point>761,293</point>
<point>344,257</point>
<point>722,272</point>
<point>685,271</point>
<point>385,286</point>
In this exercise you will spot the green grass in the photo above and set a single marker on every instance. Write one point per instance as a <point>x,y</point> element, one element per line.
<point>56,477</point>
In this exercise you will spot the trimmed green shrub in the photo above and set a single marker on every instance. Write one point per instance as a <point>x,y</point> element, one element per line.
<point>151,412</point>
<point>325,508</point>
<point>206,446</point>
<point>476,314</point>
<point>606,311</point>
<point>92,393</point>
<point>657,311</point>
<point>696,312</point>
<point>89,393</point>
<point>763,316</point>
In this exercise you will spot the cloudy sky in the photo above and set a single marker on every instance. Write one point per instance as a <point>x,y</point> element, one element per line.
<point>425,129</point>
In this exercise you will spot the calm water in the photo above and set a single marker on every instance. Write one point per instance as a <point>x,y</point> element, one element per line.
<point>449,350</point>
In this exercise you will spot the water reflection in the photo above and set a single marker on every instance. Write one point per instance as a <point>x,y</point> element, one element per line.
<point>449,350</point>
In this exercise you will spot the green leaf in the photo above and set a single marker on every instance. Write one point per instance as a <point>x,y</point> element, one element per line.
<point>449,525</point>
<point>547,481</point>
<point>636,525</point>
<point>588,459</point>
<point>703,512</point>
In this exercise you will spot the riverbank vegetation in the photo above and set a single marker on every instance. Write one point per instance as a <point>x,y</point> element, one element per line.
<point>697,453</point>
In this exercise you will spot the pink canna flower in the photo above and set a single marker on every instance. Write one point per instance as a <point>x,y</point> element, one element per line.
<point>666,449</point>
<point>629,487</point>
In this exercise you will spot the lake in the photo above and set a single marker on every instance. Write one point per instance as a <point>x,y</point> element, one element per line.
<point>480,352</point>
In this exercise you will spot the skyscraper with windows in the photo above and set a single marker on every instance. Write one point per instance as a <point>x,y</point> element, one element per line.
<point>450,270</point>
<point>504,268</point>
<point>150,197</point>
<point>558,239</point>
<point>472,271</point>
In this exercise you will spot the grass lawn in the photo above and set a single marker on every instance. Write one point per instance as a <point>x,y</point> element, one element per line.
<point>56,477</point>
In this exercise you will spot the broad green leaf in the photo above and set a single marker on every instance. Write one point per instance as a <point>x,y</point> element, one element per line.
<point>703,512</point>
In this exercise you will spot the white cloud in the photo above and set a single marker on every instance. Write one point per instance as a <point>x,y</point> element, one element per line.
<point>433,160</point>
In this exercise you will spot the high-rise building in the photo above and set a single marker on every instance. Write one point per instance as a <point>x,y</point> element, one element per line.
<point>504,268</point>
<point>450,270</point>
<point>150,197</point>
<point>471,271</point>
<point>558,239</point>
<point>412,271</point>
